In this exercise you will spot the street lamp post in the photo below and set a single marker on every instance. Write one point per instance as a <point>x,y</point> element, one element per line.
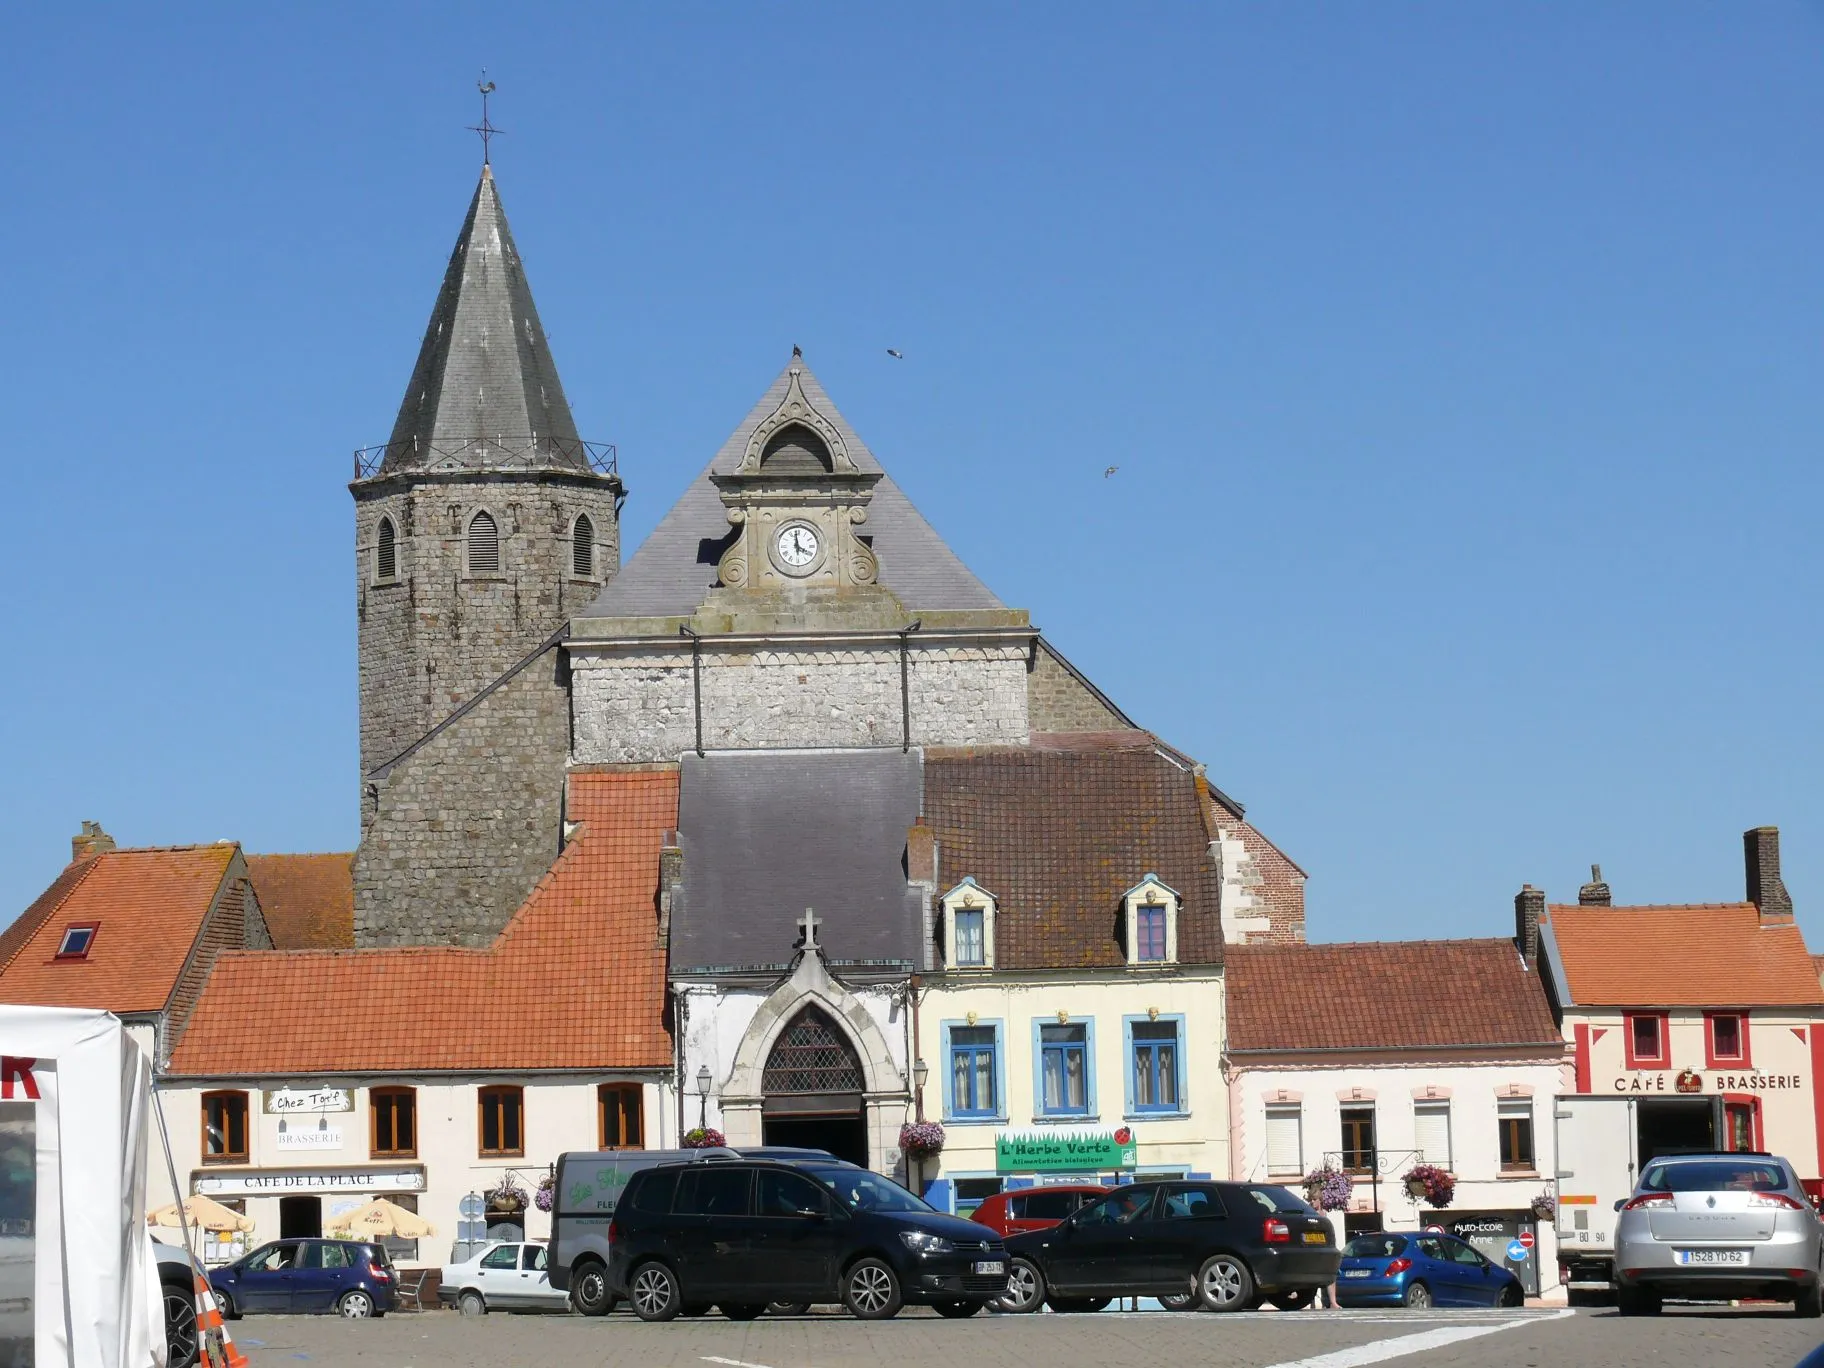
<point>920,1072</point>
<point>703,1096</point>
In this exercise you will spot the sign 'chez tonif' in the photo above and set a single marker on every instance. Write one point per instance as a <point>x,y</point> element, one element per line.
<point>288,1101</point>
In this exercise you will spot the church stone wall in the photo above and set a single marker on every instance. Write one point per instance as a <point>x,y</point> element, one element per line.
<point>457,833</point>
<point>1059,702</point>
<point>638,704</point>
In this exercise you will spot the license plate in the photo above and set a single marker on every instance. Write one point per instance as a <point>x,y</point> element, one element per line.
<point>1732,1257</point>
<point>1316,1237</point>
<point>1356,1272</point>
<point>991,1266</point>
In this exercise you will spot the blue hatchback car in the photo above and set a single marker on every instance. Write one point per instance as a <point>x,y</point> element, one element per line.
<point>1392,1268</point>
<point>349,1277</point>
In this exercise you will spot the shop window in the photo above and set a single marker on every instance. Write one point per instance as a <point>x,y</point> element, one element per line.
<point>1431,1131</point>
<point>1064,1070</point>
<point>1285,1140</point>
<point>972,1192</point>
<point>618,1106</point>
<point>1742,1124</point>
<point>224,1128</point>
<point>1726,1037</point>
<point>1358,1139</point>
<point>974,1090</point>
<point>501,1119</point>
<point>1515,1120</point>
<point>969,911</point>
<point>1155,1065</point>
<point>393,1116</point>
<point>1151,917</point>
<point>1645,1037</point>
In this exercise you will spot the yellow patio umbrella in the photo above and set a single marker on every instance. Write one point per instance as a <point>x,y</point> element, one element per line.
<point>202,1213</point>
<point>382,1220</point>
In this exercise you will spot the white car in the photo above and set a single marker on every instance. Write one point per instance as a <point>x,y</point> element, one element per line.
<point>502,1277</point>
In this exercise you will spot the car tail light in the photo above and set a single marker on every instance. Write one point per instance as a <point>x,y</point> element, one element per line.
<point>378,1273</point>
<point>1276,1231</point>
<point>1649,1199</point>
<point>1398,1266</point>
<point>614,1231</point>
<point>1774,1199</point>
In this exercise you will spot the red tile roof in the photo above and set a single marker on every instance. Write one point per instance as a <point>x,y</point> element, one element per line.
<point>149,905</point>
<point>1385,995</point>
<point>1693,955</point>
<point>308,900</point>
<point>575,981</point>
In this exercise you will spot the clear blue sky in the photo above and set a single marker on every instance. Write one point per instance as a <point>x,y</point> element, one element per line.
<point>1462,363</point>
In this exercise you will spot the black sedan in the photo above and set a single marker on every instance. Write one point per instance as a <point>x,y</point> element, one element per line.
<point>1229,1246</point>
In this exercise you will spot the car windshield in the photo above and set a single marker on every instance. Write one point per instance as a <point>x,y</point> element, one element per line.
<point>860,1190</point>
<point>1280,1199</point>
<point>1375,1247</point>
<point>1713,1175</point>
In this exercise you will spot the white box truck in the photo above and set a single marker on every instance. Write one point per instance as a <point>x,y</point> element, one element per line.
<point>1602,1141</point>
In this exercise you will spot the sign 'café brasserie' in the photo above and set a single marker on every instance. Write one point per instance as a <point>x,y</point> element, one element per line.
<point>1691,1081</point>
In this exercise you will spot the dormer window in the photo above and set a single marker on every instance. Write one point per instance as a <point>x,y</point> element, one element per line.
<point>969,926</point>
<point>1152,922</point>
<point>76,941</point>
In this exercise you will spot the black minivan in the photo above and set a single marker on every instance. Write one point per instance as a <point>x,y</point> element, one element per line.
<point>740,1234</point>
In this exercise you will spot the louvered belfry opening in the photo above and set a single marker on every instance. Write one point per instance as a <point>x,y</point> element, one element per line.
<point>796,450</point>
<point>386,561</point>
<point>582,548</point>
<point>484,545</point>
<point>813,1070</point>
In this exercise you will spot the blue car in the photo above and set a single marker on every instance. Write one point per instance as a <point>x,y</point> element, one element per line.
<point>1421,1269</point>
<point>348,1277</point>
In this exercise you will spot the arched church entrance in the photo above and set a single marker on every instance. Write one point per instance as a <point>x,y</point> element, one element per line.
<point>812,1089</point>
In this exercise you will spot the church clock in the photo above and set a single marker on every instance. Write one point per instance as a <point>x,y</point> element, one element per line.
<point>796,548</point>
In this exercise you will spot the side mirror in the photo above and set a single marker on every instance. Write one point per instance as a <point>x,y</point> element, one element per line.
<point>1620,1202</point>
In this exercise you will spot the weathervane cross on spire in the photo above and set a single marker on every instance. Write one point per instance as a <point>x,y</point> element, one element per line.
<point>484,128</point>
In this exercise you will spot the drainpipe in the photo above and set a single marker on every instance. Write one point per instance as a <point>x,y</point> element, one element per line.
<point>681,1015</point>
<point>905,685</point>
<point>696,681</point>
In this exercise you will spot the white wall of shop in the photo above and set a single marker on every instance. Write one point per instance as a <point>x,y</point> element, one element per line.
<point>559,1115</point>
<point>1192,1140</point>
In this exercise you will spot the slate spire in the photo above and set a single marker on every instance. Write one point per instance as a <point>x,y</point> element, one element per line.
<point>485,392</point>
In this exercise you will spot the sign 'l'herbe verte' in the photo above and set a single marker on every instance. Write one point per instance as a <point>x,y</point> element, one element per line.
<point>1063,1151</point>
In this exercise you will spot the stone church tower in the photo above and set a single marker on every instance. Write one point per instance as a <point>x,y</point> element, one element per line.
<point>480,527</point>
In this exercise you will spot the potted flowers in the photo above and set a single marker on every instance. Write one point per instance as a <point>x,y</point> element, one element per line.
<point>506,1198</point>
<point>1328,1188</point>
<point>546,1195</point>
<point>1430,1183</point>
<point>921,1140</point>
<point>1545,1206</point>
<point>704,1137</point>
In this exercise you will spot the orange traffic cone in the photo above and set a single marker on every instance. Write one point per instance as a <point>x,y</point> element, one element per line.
<point>215,1346</point>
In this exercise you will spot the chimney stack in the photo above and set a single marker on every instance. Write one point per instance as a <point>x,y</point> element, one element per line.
<point>1595,893</point>
<point>92,840</point>
<point>1529,911</point>
<point>1761,855</point>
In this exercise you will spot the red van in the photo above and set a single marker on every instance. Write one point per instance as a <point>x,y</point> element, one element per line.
<point>1034,1208</point>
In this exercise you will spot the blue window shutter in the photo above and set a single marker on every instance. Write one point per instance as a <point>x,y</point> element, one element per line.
<point>938,1194</point>
<point>1201,1177</point>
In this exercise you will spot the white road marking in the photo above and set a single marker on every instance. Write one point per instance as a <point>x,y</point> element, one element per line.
<point>1402,1345</point>
<point>732,1363</point>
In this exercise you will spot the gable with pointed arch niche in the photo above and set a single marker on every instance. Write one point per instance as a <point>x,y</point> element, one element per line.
<point>813,1057</point>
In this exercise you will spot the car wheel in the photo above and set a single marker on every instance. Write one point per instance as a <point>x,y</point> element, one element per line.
<point>1224,1283</point>
<point>1077,1306</point>
<point>589,1289</point>
<point>743,1311</point>
<point>1510,1297</point>
<point>1178,1301</point>
<point>870,1289</point>
<point>180,1325</point>
<point>1293,1301</point>
<point>957,1310</point>
<point>788,1308</point>
<point>1418,1295</point>
<point>1025,1288</point>
<point>355,1305</point>
<point>472,1304</point>
<point>653,1290</point>
<point>1809,1304</point>
<point>226,1303</point>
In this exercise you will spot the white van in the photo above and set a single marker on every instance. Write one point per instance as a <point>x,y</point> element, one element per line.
<point>588,1184</point>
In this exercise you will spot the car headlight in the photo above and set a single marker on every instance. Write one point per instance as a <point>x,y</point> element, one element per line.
<point>921,1242</point>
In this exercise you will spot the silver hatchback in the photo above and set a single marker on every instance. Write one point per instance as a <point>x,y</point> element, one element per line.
<point>1716,1227</point>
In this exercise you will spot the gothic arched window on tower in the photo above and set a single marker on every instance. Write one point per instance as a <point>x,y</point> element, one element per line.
<point>484,545</point>
<point>386,553</point>
<point>582,547</point>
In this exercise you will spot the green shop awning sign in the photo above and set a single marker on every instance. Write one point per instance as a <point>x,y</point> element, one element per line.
<point>1063,1151</point>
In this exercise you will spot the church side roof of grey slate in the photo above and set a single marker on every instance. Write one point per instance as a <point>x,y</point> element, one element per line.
<point>485,371</point>
<point>766,835</point>
<point>676,565</point>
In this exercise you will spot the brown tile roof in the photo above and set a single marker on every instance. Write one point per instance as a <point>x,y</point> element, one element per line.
<point>1817,963</point>
<point>1696,955</point>
<point>575,981</point>
<point>1384,995</point>
<point>149,905</point>
<point>1059,835</point>
<point>308,900</point>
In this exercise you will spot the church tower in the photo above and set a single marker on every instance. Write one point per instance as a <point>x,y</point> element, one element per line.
<point>481,526</point>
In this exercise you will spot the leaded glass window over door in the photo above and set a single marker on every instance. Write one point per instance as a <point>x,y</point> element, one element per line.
<point>813,1055</point>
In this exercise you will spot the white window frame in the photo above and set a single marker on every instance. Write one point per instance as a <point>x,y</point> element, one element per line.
<point>1283,1112</point>
<point>1150,892</point>
<point>969,896</point>
<point>1434,1106</point>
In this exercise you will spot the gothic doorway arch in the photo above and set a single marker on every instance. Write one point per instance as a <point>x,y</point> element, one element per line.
<point>812,1088</point>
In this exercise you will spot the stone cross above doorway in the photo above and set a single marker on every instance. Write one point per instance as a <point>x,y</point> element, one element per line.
<point>807,931</point>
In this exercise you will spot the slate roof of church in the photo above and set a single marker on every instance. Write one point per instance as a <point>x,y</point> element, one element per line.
<point>576,980</point>
<point>767,834</point>
<point>1058,835</point>
<point>676,565</point>
<point>485,369</point>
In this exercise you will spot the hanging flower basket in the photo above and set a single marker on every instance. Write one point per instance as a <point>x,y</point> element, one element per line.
<point>545,1197</point>
<point>921,1140</point>
<point>1433,1184</point>
<point>704,1137</point>
<point>1328,1188</point>
<point>1545,1206</point>
<point>508,1198</point>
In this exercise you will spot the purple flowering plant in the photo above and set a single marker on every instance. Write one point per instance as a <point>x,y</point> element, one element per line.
<point>921,1139</point>
<point>1328,1188</point>
<point>704,1137</point>
<point>1435,1184</point>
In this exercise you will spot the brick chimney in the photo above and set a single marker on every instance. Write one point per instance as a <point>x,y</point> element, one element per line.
<point>92,840</point>
<point>1529,911</point>
<point>921,854</point>
<point>1595,893</point>
<point>1761,855</point>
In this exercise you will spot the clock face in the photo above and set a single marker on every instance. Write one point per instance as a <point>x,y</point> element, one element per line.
<point>796,545</point>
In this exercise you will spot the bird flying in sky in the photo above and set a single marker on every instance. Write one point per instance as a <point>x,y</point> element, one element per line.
<point>897,356</point>
<point>1110,471</point>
